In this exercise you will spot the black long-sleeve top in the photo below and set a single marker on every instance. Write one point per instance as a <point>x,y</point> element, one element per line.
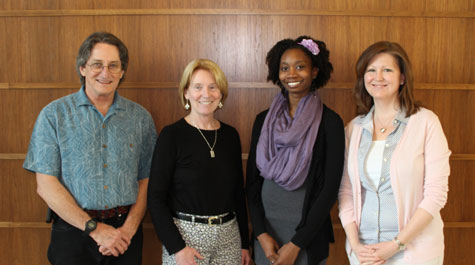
<point>184,178</point>
<point>314,231</point>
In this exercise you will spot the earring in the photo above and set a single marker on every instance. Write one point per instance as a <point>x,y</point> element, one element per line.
<point>187,105</point>
<point>220,105</point>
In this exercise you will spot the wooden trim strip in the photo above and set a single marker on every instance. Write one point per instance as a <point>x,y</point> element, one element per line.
<point>244,156</point>
<point>434,86</point>
<point>446,225</point>
<point>233,12</point>
<point>462,157</point>
<point>162,85</point>
<point>9,156</point>
<point>150,225</point>
<point>24,225</point>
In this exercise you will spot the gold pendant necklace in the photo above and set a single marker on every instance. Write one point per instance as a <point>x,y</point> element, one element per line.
<point>211,148</point>
<point>383,127</point>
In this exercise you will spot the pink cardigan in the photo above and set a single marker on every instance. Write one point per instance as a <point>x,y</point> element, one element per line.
<point>419,173</point>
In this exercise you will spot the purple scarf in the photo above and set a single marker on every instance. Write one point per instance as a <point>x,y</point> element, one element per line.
<point>285,147</point>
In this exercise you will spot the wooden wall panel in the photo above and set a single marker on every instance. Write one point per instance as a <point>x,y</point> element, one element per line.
<point>18,112</point>
<point>337,250</point>
<point>31,246</point>
<point>43,49</point>
<point>38,49</point>
<point>20,203</point>
<point>20,246</point>
<point>19,200</point>
<point>152,248</point>
<point>240,110</point>
<point>460,205</point>
<point>459,245</point>
<point>456,113</point>
<point>401,5</point>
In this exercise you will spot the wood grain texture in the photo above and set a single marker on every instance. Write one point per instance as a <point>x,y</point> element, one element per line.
<point>18,189</point>
<point>159,85</point>
<point>39,41</point>
<point>20,246</point>
<point>31,245</point>
<point>240,110</point>
<point>237,43</point>
<point>234,12</point>
<point>443,6</point>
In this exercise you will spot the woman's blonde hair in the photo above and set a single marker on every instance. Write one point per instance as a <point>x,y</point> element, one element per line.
<point>204,64</point>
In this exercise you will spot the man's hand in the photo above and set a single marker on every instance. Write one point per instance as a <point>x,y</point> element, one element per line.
<point>111,241</point>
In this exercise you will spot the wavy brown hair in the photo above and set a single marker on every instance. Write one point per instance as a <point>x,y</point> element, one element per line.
<point>88,45</point>
<point>364,101</point>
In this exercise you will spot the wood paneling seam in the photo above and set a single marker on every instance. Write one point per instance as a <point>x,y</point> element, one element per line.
<point>233,12</point>
<point>149,225</point>
<point>244,156</point>
<point>159,85</point>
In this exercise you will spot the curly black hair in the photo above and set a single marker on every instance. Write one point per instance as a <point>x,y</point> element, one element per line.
<point>321,61</point>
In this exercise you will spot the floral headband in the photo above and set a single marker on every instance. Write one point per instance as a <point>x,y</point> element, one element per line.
<point>310,45</point>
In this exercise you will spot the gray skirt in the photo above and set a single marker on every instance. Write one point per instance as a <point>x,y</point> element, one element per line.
<point>283,211</point>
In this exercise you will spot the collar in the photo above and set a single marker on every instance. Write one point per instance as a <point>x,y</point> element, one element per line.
<point>367,120</point>
<point>81,99</point>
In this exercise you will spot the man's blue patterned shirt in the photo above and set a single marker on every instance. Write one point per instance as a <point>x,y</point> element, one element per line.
<point>98,159</point>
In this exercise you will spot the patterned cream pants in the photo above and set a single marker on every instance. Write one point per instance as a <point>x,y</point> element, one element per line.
<point>218,244</point>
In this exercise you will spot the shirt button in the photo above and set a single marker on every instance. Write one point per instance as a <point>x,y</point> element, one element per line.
<point>394,121</point>
<point>382,179</point>
<point>104,145</point>
<point>105,165</point>
<point>387,145</point>
<point>105,187</point>
<point>385,160</point>
<point>103,126</point>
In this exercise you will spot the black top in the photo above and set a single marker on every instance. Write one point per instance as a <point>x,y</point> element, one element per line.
<point>314,231</point>
<point>184,178</point>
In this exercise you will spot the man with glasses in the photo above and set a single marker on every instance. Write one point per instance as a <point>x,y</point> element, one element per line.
<point>91,152</point>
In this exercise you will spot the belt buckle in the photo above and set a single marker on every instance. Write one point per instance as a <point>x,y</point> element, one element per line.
<point>210,220</point>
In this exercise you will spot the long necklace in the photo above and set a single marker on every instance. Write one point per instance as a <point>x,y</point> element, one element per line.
<point>211,151</point>
<point>383,127</point>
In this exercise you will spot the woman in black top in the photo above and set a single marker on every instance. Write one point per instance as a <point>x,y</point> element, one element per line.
<point>195,194</point>
<point>296,159</point>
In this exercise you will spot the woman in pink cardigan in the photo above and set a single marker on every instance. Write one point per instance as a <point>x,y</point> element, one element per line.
<point>396,177</point>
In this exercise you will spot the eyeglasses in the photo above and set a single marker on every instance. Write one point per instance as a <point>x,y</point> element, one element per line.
<point>114,68</point>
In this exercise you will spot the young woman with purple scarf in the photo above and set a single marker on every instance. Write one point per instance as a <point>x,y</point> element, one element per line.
<point>296,159</point>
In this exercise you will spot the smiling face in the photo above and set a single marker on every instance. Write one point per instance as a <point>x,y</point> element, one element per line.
<point>296,72</point>
<point>383,78</point>
<point>203,93</point>
<point>104,83</point>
